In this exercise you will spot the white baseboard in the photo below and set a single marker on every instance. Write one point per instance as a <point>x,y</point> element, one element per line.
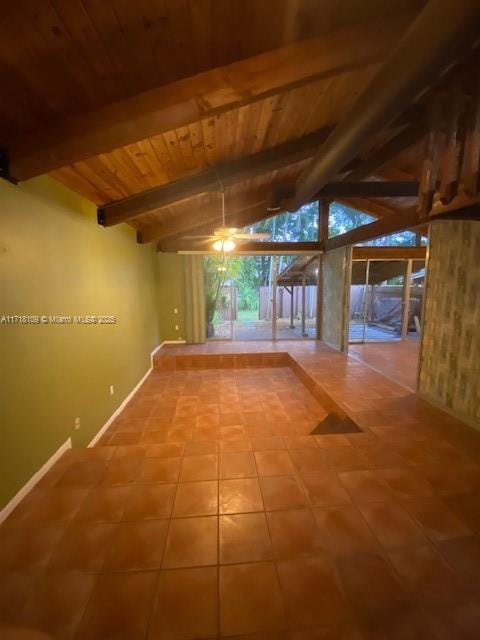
<point>18,497</point>
<point>38,475</point>
<point>164,343</point>
<point>154,352</point>
<point>126,400</point>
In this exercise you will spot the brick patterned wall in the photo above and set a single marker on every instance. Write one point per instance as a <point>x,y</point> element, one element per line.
<point>334,266</point>
<point>450,360</point>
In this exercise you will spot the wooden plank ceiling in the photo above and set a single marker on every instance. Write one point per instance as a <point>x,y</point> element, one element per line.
<point>60,60</point>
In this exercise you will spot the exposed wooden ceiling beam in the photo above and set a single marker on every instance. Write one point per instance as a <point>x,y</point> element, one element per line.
<point>370,189</point>
<point>243,170</point>
<point>389,253</point>
<point>401,221</point>
<point>248,209</point>
<point>242,210</point>
<point>267,160</point>
<point>461,208</point>
<point>403,140</point>
<point>240,218</point>
<point>213,179</point>
<point>383,227</point>
<point>201,96</point>
<point>371,207</point>
<point>249,247</point>
<point>361,189</point>
<point>444,31</point>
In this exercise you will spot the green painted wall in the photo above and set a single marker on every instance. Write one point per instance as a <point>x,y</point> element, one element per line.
<point>171,295</point>
<point>55,259</point>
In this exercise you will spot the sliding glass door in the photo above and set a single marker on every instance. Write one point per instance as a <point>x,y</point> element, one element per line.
<point>261,297</point>
<point>385,300</point>
<point>239,297</point>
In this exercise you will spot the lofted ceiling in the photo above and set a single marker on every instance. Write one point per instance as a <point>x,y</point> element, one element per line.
<point>116,98</point>
<point>209,142</point>
<point>59,58</point>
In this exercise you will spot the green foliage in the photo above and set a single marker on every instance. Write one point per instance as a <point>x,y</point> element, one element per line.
<point>248,316</point>
<point>404,239</point>
<point>215,278</point>
<point>248,281</point>
<point>343,219</point>
<point>248,273</point>
<point>291,227</point>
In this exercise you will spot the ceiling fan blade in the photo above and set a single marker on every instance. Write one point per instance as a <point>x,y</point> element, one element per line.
<point>252,236</point>
<point>225,231</point>
<point>212,238</point>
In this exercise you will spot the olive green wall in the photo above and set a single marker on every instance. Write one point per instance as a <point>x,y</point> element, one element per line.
<point>171,295</point>
<point>450,353</point>
<point>55,259</point>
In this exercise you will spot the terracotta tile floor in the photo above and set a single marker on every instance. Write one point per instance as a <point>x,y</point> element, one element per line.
<point>397,360</point>
<point>207,511</point>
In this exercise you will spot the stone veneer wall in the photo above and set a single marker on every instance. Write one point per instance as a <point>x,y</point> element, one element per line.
<point>450,355</point>
<point>335,265</point>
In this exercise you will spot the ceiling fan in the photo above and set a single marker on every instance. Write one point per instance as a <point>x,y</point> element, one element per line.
<point>224,239</point>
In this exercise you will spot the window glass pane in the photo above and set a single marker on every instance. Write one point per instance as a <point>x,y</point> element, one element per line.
<point>290,227</point>
<point>342,219</point>
<point>402,239</point>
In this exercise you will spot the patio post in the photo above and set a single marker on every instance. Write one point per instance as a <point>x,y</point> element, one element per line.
<point>292,289</point>
<point>304,334</point>
<point>406,300</point>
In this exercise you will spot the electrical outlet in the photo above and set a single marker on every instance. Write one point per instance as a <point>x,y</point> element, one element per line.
<point>112,390</point>
<point>77,424</point>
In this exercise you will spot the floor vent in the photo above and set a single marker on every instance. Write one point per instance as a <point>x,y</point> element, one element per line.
<point>334,423</point>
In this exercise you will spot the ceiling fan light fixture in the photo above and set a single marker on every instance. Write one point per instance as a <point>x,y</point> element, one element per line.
<point>229,245</point>
<point>225,242</point>
<point>224,245</point>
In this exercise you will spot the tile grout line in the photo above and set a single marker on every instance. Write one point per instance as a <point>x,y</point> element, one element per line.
<point>274,559</point>
<point>385,550</point>
<point>218,549</point>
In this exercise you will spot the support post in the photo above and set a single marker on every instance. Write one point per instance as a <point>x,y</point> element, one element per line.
<point>323,214</point>
<point>406,299</point>
<point>319,326</point>
<point>274,297</point>
<point>304,333</point>
<point>365,302</point>
<point>292,289</point>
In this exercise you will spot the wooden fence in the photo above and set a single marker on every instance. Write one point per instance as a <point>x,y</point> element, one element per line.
<point>284,300</point>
